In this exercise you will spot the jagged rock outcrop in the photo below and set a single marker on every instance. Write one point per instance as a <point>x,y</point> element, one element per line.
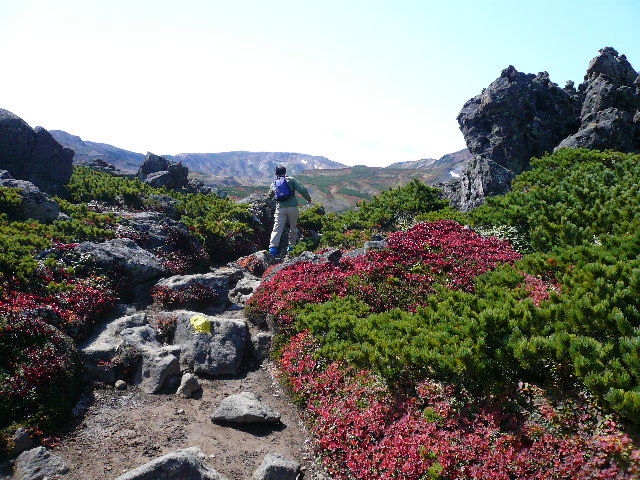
<point>33,154</point>
<point>159,172</point>
<point>610,115</point>
<point>105,167</point>
<point>520,116</point>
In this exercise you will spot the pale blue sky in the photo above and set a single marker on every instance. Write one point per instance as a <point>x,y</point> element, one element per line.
<point>360,82</point>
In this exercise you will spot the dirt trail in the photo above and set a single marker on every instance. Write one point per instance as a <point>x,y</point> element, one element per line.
<point>122,430</point>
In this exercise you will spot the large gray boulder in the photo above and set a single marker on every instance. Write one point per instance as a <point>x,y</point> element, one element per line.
<point>39,464</point>
<point>187,464</point>
<point>156,366</point>
<point>215,346</point>
<point>204,291</point>
<point>132,341</point>
<point>99,350</point>
<point>244,408</point>
<point>156,362</point>
<point>122,254</point>
<point>277,467</point>
<point>33,155</point>
<point>35,204</point>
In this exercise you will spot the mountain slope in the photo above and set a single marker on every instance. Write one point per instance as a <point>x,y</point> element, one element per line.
<point>86,150</point>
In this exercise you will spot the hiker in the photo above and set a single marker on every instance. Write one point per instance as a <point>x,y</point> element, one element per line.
<point>284,189</point>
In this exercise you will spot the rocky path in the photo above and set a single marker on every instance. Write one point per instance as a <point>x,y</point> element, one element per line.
<point>122,430</point>
<point>125,425</point>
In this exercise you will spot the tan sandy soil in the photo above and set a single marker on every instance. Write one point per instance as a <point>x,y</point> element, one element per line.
<point>121,430</point>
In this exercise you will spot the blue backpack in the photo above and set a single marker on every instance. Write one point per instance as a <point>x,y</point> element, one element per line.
<point>283,192</point>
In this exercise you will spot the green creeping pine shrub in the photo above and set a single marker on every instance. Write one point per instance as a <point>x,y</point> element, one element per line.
<point>446,213</point>
<point>589,332</point>
<point>225,228</point>
<point>311,218</point>
<point>310,221</point>
<point>458,337</point>
<point>21,240</point>
<point>570,197</point>
<point>593,327</point>
<point>90,185</point>
<point>391,210</point>
<point>10,200</point>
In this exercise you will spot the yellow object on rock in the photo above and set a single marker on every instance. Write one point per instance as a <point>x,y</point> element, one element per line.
<point>201,324</point>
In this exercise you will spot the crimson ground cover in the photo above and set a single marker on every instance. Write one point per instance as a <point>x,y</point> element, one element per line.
<point>372,423</point>
<point>364,429</point>
<point>401,276</point>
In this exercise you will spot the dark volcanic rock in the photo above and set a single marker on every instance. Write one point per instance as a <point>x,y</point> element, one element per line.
<point>517,117</point>
<point>104,167</point>
<point>520,116</point>
<point>481,179</point>
<point>33,155</point>
<point>160,172</point>
<point>610,116</point>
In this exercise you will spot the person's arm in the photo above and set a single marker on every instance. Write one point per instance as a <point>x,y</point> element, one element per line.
<point>298,187</point>
<point>272,191</point>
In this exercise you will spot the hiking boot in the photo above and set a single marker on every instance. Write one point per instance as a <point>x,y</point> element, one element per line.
<point>273,251</point>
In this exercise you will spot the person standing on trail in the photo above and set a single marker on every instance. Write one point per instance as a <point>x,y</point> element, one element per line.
<point>284,189</point>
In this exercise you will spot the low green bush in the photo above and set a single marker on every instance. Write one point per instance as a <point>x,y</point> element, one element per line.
<point>392,210</point>
<point>570,197</point>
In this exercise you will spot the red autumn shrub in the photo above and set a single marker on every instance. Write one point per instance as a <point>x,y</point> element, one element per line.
<point>401,276</point>
<point>363,431</point>
<point>191,296</point>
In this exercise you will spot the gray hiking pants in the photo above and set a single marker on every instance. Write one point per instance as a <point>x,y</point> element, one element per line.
<point>285,215</point>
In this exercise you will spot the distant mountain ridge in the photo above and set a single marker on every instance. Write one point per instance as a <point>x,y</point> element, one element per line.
<point>87,151</point>
<point>220,169</point>
<point>455,161</point>
<point>249,168</point>
<point>340,189</point>
<point>333,184</point>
